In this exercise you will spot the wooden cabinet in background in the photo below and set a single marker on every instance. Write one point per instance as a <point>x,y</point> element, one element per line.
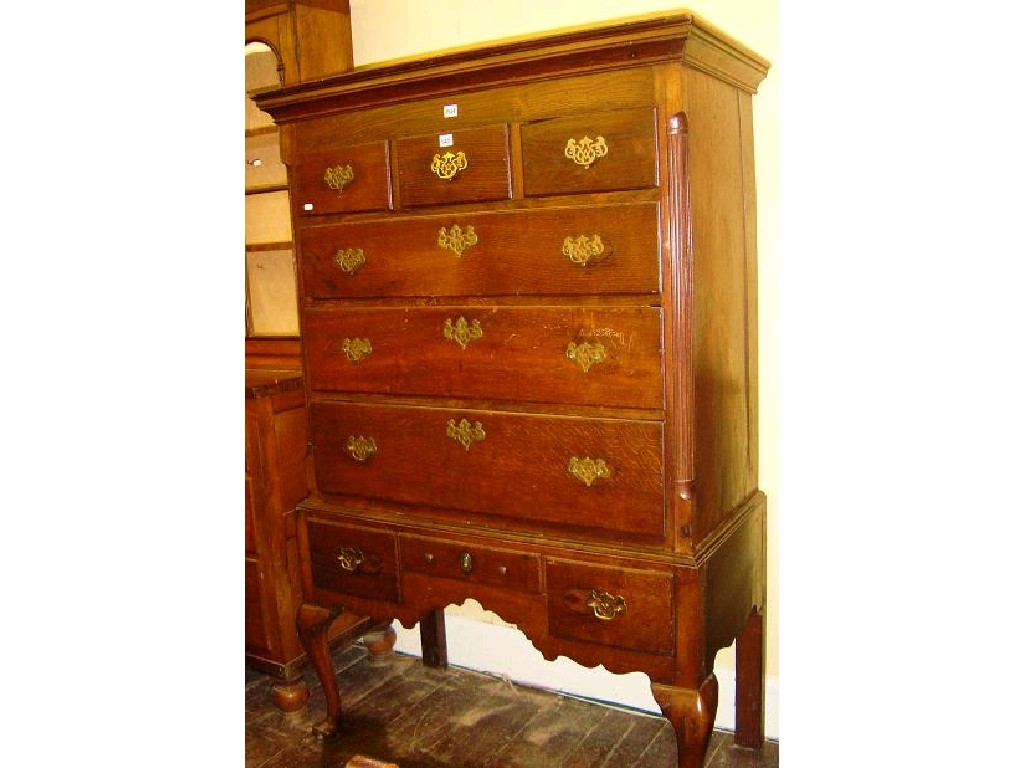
<point>275,481</point>
<point>313,38</point>
<point>528,283</point>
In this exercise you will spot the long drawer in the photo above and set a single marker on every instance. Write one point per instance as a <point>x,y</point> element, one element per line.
<point>575,355</point>
<point>581,473</point>
<point>564,251</point>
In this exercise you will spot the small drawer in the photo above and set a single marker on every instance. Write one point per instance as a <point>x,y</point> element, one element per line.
<point>464,166</point>
<point>263,166</point>
<point>590,153</point>
<point>342,180</point>
<point>353,561</point>
<point>572,251</point>
<point>496,568</point>
<point>611,606</point>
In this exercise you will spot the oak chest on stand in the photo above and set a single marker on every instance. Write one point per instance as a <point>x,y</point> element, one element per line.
<point>528,301</point>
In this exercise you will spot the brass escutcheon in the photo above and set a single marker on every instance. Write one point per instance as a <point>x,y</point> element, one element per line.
<point>338,177</point>
<point>465,433</point>
<point>361,448</point>
<point>350,259</point>
<point>585,151</point>
<point>586,354</point>
<point>457,241</point>
<point>582,249</point>
<point>461,331</point>
<point>606,606</point>
<point>350,558</point>
<point>466,562</point>
<point>356,349</point>
<point>587,470</point>
<point>447,165</point>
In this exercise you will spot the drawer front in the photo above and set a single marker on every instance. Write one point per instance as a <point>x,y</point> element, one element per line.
<point>565,251</point>
<point>343,180</point>
<point>610,606</point>
<point>463,166</point>
<point>479,565</point>
<point>590,153</point>
<point>353,561</point>
<point>574,355</point>
<point>579,473</point>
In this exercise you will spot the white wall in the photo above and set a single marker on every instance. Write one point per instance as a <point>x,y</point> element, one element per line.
<point>386,29</point>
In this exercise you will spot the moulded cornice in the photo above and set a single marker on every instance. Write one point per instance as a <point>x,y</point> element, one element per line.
<point>682,37</point>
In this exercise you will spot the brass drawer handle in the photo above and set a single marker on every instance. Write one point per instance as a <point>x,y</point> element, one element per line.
<point>586,151</point>
<point>361,448</point>
<point>350,558</point>
<point>582,249</point>
<point>606,606</point>
<point>447,165</point>
<point>461,331</point>
<point>350,260</point>
<point>457,240</point>
<point>465,433</point>
<point>356,349</point>
<point>587,470</point>
<point>586,354</point>
<point>338,177</point>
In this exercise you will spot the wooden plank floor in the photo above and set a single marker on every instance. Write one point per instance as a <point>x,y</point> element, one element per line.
<point>418,717</point>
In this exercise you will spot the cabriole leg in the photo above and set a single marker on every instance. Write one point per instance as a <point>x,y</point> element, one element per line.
<point>312,624</point>
<point>692,714</point>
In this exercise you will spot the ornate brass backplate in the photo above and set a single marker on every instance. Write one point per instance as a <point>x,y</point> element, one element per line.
<point>361,448</point>
<point>356,349</point>
<point>586,354</point>
<point>447,165</point>
<point>457,240</point>
<point>338,177</point>
<point>606,606</point>
<point>582,249</point>
<point>350,558</point>
<point>465,433</point>
<point>586,151</point>
<point>587,470</point>
<point>349,260</point>
<point>462,331</point>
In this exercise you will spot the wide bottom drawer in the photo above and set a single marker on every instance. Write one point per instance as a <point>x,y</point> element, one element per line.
<point>579,473</point>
